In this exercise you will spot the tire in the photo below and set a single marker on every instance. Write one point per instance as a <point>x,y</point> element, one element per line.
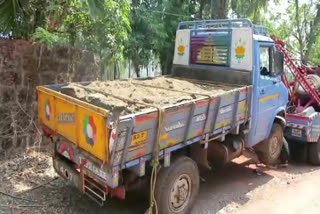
<point>182,175</point>
<point>298,151</point>
<point>314,80</point>
<point>314,154</point>
<point>269,150</point>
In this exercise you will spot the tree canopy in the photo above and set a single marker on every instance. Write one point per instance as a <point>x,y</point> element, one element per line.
<point>300,28</point>
<point>143,30</point>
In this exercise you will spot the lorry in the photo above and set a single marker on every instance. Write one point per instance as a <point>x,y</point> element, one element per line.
<point>302,114</point>
<point>166,144</point>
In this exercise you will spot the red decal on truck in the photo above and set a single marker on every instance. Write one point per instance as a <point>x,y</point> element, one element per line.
<point>296,117</point>
<point>199,132</point>
<point>145,117</point>
<point>202,102</point>
<point>243,90</point>
<point>66,151</point>
<point>139,153</point>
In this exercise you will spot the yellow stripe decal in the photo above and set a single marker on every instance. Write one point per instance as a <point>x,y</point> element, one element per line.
<point>268,97</point>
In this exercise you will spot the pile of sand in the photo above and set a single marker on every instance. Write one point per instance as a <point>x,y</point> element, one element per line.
<point>159,91</point>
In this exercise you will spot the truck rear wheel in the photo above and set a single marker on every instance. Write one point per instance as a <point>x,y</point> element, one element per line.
<point>298,151</point>
<point>177,186</point>
<point>314,153</point>
<point>269,150</point>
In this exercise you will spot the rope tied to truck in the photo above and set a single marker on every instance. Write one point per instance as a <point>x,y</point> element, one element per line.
<point>156,151</point>
<point>155,166</point>
<point>155,161</point>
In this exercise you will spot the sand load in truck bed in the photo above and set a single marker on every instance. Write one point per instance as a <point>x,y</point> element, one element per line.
<point>123,95</point>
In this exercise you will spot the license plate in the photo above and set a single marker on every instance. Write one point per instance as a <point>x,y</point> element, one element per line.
<point>296,132</point>
<point>139,138</point>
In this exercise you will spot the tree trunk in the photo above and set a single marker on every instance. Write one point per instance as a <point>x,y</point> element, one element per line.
<point>299,30</point>
<point>201,9</point>
<point>129,69</point>
<point>256,12</point>
<point>39,16</point>
<point>223,9</point>
<point>114,70</point>
<point>136,69</point>
<point>147,70</point>
<point>212,9</point>
<point>219,9</point>
<point>166,60</point>
<point>56,18</point>
<point>314,33</point>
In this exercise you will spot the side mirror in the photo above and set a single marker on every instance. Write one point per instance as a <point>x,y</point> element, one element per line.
<point>278,64</point>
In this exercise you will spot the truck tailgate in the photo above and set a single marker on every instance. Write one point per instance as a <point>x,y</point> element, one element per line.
<point>81,123</point>
<point>303,127</point>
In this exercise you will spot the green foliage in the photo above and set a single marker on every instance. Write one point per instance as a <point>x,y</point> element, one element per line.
<point>95,7</point>
<point>97,25</point>
<point>154,24</point>
<point>13,17</point>
<point>165,49</point>
<point>300,29</point>
<point>147,34</point>
<point>103,32</point>
<point>50,39</point>
<point>249,8</point>
<point>142,30</point>
<point>315,53</point>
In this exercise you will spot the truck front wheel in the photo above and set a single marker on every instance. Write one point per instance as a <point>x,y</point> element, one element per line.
<point>314,153</point>
<point>177,186</point>
<point>269,150</point>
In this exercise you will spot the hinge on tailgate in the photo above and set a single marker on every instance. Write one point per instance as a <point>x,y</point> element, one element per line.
<point>110,122</point>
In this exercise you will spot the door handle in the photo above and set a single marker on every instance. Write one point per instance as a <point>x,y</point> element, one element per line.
<point>274,82</point>
<point>262,91</point>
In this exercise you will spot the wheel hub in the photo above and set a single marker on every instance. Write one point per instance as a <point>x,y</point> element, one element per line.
<point>180,193</point>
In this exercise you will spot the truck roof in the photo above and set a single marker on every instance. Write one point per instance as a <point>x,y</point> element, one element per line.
<point>222,42</point>
<point>257,30</point>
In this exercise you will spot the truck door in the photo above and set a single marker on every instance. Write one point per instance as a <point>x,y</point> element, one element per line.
<point>267,91</point>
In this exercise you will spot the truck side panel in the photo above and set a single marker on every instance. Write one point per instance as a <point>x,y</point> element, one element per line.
<point>225,112</point>
<point>77,122</point>
<point>314,129</point>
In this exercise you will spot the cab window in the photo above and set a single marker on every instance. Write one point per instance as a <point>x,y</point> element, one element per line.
<point>266,61</point>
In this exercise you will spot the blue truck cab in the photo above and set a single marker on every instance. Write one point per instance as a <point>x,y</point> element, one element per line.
<point>238,52</point>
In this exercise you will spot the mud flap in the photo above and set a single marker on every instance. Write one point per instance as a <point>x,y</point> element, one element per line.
<point>199,155</point>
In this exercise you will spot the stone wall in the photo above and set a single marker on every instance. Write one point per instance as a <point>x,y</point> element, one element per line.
<point>23,66</point>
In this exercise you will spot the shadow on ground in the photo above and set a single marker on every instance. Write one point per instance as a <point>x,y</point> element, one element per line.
<point>222,187</point>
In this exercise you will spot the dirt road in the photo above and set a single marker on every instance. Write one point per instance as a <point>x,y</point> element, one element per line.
<point>235,189</point>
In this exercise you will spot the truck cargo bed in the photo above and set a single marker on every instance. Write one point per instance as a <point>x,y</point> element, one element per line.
<point>132,96</point>
<point>205,112</point>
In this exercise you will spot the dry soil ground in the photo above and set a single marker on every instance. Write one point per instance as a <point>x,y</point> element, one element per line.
<point>235,189</point>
